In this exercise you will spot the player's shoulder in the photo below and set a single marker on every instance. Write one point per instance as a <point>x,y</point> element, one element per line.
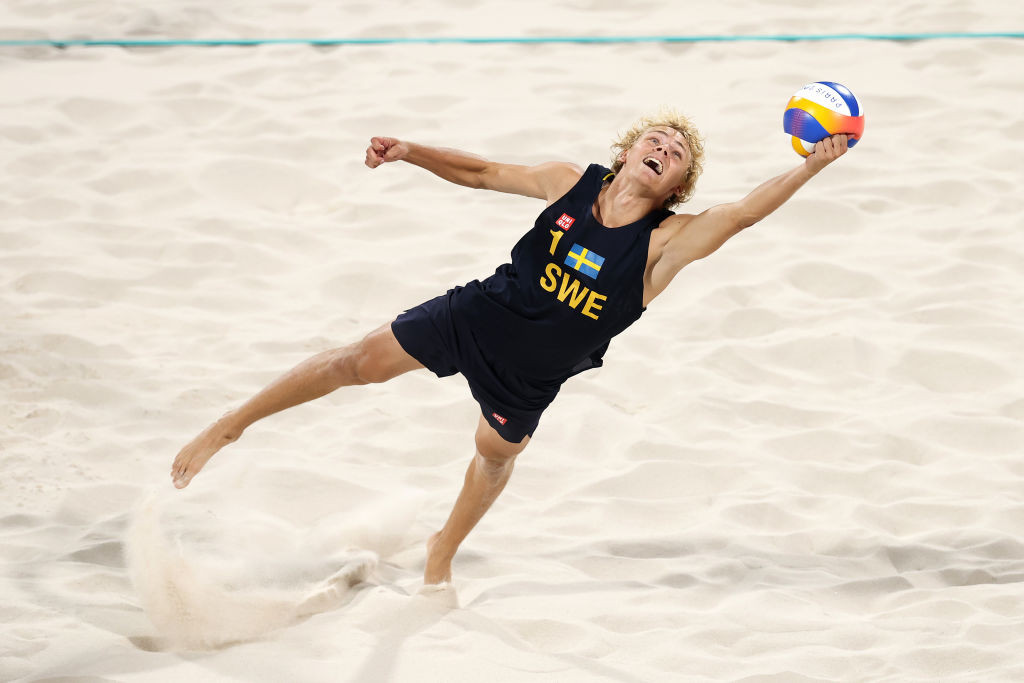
<point>560,170</point>
<point>674,223</point>
<point>557,177</point>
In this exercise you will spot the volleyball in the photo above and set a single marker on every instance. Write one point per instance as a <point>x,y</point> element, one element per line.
<point>819,110</point>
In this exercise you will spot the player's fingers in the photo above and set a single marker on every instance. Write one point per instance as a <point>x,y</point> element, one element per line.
<point>831,147</point>
<point>837,147</point>
<point>382,150</point>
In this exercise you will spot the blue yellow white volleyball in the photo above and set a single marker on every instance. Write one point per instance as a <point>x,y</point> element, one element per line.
<point>819,110</point>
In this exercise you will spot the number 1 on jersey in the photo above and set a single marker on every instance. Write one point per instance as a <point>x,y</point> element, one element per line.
<point>555,236</point>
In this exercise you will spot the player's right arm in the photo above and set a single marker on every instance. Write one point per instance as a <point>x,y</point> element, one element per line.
<point>547,181</point>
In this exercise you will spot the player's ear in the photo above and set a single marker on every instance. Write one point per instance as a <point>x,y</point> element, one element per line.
<point>678,191</point>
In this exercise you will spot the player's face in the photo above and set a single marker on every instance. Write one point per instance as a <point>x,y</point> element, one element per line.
<point>662,154</point>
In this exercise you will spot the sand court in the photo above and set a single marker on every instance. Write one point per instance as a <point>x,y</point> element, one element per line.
<point>803,463</point>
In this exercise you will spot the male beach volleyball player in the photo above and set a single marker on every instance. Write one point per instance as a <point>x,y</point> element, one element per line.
<point>602,250</point>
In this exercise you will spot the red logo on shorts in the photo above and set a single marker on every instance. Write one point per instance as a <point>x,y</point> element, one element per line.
<point>499,418</point>
<point>565,222</point>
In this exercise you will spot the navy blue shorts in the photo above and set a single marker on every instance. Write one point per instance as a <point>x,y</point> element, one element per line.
<point>440,336</point>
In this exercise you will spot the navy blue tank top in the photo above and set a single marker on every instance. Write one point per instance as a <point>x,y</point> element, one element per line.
<point>572,285</point>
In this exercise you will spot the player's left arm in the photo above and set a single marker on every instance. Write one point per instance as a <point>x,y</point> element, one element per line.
<point>699,236</point>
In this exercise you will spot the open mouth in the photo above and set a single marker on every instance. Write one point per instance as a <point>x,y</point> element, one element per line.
<point>654,164</point>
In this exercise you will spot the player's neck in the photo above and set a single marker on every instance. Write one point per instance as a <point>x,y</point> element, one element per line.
<point>618,204</point>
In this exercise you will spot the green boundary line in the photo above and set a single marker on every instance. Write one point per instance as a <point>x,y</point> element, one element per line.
<point>331,42</point>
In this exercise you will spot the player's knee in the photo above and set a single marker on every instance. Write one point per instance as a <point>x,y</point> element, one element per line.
<point>495,467</point>
<point>496,451</point>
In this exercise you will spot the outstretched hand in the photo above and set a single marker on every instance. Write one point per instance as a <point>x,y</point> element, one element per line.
<point>383,150</point>
<point>826,151</point>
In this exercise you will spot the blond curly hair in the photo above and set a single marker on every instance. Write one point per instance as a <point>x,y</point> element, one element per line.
<point>669,118</point>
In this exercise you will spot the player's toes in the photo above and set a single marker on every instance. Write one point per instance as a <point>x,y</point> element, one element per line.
<point>182,477</point>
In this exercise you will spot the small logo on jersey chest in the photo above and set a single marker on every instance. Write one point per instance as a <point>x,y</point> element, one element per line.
<point>565,222</point>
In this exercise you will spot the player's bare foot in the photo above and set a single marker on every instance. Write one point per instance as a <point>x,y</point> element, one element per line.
<point>198,451</point>
<point>439,564</point>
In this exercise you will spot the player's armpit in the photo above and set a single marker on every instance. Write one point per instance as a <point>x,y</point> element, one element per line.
<point>701,235</point>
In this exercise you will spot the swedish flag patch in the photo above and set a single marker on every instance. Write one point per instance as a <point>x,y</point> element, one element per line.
<point>584,260</point>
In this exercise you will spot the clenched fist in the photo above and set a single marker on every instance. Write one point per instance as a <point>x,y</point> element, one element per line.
<point>383,150</point>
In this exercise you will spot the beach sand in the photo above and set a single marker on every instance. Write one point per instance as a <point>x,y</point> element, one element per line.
<point>804,463</point>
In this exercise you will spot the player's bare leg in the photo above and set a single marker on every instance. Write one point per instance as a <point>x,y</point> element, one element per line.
<point>378,357</point>
<point>486,477</point>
